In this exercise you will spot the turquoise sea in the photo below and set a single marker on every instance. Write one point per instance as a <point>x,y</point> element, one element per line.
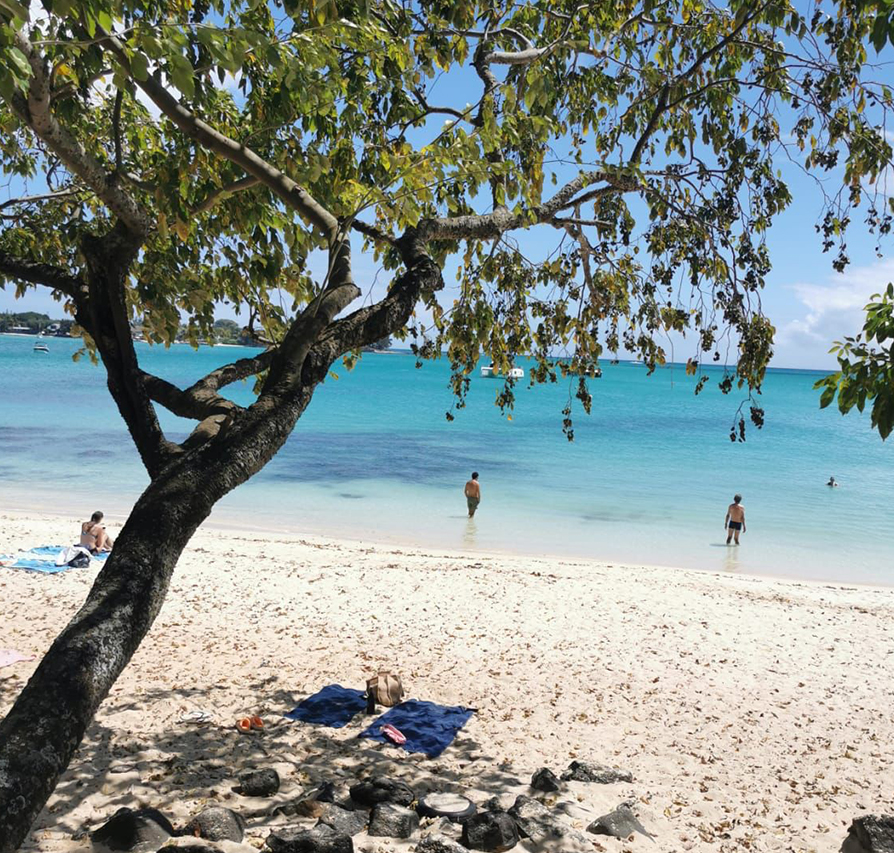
<point>647,479</point>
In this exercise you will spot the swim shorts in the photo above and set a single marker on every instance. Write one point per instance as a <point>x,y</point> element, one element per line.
<point>735,525</point>
<point>472,503</point>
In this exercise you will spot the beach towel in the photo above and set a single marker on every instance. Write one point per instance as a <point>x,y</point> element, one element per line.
<point>10,656</point>
<point>333,706</point>
<point>428,727</point>
<point>43,559</point>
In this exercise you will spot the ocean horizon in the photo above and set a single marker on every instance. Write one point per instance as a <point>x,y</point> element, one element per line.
<point>646,481</point>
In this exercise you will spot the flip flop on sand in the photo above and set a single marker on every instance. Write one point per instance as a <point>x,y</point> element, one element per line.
<point>196,717</point>
<point>256,722</point>
<point>243,725</point>
<point>393,734</point>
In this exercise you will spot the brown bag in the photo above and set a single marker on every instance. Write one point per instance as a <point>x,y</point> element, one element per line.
<point>385,689</point>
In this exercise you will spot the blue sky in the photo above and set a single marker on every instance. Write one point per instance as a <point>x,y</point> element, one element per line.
<point>808,302</point>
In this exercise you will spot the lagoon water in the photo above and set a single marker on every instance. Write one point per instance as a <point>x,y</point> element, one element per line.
<point>647,479</point>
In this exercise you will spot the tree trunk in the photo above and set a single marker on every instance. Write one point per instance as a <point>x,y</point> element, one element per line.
<point>44,728</point>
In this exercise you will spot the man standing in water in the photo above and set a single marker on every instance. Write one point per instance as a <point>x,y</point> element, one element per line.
<point>735,519</point>
<point>472,492</point>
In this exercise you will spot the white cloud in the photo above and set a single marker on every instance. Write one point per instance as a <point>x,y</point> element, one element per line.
<point>834,309</point>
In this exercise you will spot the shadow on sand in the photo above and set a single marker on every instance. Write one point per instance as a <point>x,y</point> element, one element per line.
<point>187,767</point>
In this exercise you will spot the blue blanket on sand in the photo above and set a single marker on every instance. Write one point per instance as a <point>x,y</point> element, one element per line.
<point>43,559</point>
<point>333,706</point>
<point>429,728</point>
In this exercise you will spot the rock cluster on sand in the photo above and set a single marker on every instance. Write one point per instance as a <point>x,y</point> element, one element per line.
<point>384,807</point>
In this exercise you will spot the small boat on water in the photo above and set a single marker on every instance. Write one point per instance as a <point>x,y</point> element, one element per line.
<point>491,372</point>
<point>40,346</point>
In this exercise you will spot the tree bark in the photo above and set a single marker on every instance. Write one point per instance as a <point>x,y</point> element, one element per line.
<point>43,729</point>
<point>40,734</point>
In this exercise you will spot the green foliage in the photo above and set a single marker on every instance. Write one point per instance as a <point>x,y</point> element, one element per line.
<point>31,320</point>
<point>866,367</point>
<point>677,111</point>
<point>227,332</point>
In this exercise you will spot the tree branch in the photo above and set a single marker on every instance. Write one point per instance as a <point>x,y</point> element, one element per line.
<point>31,199</point>
<point>392,312</point>
<point>104,314</point>
<point>280,184</point>
<point>234,372</point>
<point>35,112</point>
<point>288,360</point>
<point>39,273</point>
<point>222,192</point>
<point>116,127</point>
<point>372,232</point>
<point>519,57</point>
<point>491,225</point>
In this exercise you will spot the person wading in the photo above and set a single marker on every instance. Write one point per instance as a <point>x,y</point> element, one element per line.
<point>735,519</point>
<point>472,492</point>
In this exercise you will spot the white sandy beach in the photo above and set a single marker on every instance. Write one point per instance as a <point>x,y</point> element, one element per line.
<point>754,714</point>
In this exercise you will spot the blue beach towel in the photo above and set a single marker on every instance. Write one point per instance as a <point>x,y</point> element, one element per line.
<point>333,706</point>
<point>428,727</point>
<point>43,559</point>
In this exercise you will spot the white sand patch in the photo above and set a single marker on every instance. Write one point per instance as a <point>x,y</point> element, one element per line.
<point>754,714</point>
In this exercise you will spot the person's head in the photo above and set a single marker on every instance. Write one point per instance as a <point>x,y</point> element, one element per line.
<point>97,516</point>
<point>737,499</point>
<point>474,475</point>
<point>831,479</point>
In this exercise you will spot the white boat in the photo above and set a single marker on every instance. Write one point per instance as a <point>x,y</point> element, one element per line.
<point>491,372</point>
<point>40,346</point>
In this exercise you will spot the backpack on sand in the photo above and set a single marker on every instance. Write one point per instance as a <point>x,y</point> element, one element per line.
<point>384,688</point>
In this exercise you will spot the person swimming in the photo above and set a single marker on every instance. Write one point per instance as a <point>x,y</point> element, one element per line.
<point>93,535</point>
<point>832,484</point>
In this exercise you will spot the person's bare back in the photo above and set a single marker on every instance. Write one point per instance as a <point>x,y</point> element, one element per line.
<point>93,535</point>
<point>472,491</point>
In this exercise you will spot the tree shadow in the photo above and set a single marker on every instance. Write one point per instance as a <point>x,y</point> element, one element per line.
<point>184,767</point>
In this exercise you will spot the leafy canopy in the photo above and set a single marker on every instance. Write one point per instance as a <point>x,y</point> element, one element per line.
<point>866,367</point>
<point>645,136</point>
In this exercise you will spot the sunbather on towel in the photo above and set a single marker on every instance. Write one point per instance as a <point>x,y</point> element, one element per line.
<point>93,535</point>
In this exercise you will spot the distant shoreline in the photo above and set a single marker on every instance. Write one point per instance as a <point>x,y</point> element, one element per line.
<point>671,365</point>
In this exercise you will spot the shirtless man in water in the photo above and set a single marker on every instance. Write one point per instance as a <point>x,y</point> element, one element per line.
<point>93,535</point>
<point>735,519</point>
<point>472,492</point>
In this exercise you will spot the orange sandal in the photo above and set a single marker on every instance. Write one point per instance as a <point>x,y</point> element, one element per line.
<point>256,722</point>
<point>243,725</point>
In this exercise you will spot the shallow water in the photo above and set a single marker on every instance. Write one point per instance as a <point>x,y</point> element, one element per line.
<point>647,479</point>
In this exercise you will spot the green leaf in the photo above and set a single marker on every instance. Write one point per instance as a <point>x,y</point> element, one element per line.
<point>182,74</point>
<point>827,397</point>
<point>20,61</point>
<point>139,66</point>
<point>16,10</point>
<point>7,84</point>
